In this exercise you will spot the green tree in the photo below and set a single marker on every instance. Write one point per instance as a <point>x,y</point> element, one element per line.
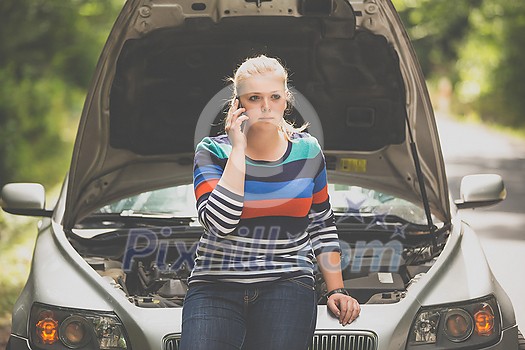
<point>479,46</point>
<point>48,51</point>
<point>437,30</point>
<point>502,100</point>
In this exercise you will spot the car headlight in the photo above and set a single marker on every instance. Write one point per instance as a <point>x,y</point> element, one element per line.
<point>473,324</point>
<point>56,328</point>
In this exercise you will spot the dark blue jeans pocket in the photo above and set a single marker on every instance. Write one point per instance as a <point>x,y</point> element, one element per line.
<point>302,281</point>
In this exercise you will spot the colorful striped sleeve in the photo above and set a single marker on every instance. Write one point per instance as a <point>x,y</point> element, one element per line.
<point>322,229</point>
<point>218,208</point>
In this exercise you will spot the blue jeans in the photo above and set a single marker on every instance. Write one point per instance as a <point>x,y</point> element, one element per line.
<point>269,316</point>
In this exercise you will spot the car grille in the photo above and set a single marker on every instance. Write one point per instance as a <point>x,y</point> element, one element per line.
<point>345,341</point>
<point>322,341</point>
<point>171,342</point>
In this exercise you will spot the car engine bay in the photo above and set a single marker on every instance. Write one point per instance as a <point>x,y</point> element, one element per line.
<point>152,269</point>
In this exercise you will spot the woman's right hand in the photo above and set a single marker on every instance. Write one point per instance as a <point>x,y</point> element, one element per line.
<point>233,126</point>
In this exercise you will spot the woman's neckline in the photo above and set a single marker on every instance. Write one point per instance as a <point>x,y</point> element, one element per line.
<point>279,160</point>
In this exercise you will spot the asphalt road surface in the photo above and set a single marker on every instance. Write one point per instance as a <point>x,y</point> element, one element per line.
<point>470,148</point>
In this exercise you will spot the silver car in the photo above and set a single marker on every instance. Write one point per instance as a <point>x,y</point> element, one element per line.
<point>113,256</point>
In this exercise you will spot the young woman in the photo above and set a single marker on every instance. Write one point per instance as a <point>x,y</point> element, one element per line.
<point>262,198</point>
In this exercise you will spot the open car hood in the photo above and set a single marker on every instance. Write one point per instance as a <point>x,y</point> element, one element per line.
<point>160,87</point>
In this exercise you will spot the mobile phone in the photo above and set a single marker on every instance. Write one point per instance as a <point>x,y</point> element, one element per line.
<point>240,106</point>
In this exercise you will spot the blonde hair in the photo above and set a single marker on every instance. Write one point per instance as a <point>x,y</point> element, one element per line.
<point>260,65</point>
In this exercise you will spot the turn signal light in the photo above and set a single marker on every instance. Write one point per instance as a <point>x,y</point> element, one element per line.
<point>484,320</point>
<point>47,329</point>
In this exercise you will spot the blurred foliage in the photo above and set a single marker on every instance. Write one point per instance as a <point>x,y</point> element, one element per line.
<point>15,258</point>
<point>479,46</point>
<point>437,29</point>
<point>48,52</point>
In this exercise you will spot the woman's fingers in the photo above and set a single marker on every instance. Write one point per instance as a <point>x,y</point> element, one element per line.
<point>234,106</point>
<point>242,118</point>
<point>332,306</point>
<point>234,114</point>
<point>346,308</point>
<point>235,122</point>
<point>352,311</point>
<point>233,126</point>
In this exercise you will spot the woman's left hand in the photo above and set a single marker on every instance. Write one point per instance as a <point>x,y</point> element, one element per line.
<point>345,307</point>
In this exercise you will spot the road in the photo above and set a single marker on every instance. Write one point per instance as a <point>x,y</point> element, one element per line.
<point>470,148</point>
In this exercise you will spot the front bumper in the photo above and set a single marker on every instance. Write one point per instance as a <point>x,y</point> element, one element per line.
<point>17,343</point>
<point>508,341</point>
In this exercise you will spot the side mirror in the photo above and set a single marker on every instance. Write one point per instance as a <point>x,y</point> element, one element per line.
<point>480,190</point>
<point>27,199</point>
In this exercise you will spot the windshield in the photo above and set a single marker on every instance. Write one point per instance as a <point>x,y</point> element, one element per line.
<point>179,201</point>
<point>173,201</point>
<point>355,200</point>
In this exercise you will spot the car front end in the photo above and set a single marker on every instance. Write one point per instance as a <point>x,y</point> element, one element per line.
<point>112,259</point>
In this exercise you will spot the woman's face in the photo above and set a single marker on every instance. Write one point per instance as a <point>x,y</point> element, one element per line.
<point>264,98</point>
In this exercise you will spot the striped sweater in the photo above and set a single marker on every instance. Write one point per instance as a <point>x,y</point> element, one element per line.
<point>276,228</point>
